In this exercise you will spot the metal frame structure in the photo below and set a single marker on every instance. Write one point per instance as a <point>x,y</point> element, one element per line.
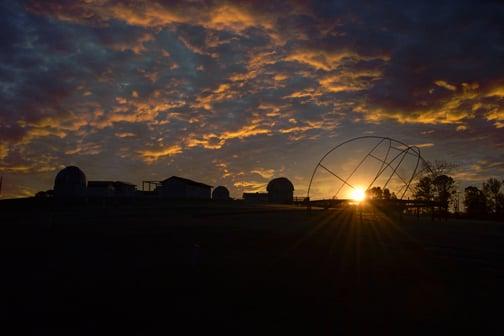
<point>385,163</point>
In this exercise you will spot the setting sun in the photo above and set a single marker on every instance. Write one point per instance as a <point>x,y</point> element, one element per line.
<point>358,194</point>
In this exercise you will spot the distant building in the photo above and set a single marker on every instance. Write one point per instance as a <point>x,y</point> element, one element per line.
<point>124,189</point>
<point>100,189</point>
<point>256,197</point>
<point>45,194</point>
<point>280,190</point>
<point>70,182</point>
<point>220,193</point>
<point>110,189</point>
<point>178,187</point>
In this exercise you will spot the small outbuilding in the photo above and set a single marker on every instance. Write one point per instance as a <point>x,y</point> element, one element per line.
<point>70,182</point>
<point>179,187</point>
<point>280,190</point>
<point>220,193</point>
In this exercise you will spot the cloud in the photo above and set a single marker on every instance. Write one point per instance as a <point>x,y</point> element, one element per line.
<point>424,145</point>
<point>264,173</point>
<point>4,150</point>
<point>216,141</point>
<point>166,83</point>
<point>329,60</point>
<point>151,156</point>
<point>444,84</point>
<point>211,15</point>
<point>250,186</point>
<point>464,102</point>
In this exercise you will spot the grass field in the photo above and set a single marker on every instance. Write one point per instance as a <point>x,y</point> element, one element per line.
<point>159,268</point>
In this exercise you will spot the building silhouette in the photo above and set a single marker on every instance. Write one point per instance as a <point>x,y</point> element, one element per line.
<point>70,182</point>
<point>220,193</point>
<point>110,189</point>
<point>179,187</point>
<point>280,190</point>
<point>257,197</point>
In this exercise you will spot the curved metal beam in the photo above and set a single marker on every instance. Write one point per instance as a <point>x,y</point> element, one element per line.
<point>384,165</point>
<point>358,166</point>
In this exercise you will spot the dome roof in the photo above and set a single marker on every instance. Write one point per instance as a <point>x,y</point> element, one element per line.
<point>280,184</point>
<point>220,193</point>
<point>70,181</point>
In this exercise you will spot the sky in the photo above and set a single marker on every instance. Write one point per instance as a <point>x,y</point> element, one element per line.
<point>236,93</point>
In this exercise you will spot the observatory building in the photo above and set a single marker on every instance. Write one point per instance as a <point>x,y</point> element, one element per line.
<point>220,193</point>
<point>179,187</point>
<point>280,190</point>
<point>70,182</point>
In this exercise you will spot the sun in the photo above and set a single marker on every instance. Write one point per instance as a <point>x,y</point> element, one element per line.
<point>358,194</point>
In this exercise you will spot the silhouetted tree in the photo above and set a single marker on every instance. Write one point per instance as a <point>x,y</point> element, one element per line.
<point>499,205</point>
<point>491,189</point>
<point>444,189</point>
<point>375,193</point>
<point>423,189</point>
<point>388,195</point>
<point>475,202</point>
<point>439,167</point>
<point>435,184</point>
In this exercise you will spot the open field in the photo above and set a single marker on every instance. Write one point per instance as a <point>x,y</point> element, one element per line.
<point>153,268</point>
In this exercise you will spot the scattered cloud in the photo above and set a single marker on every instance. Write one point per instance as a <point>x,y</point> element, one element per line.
<point>108,82</point>
<point>151,156</point>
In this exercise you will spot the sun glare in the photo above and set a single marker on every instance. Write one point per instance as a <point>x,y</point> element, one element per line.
<point>358,194</point>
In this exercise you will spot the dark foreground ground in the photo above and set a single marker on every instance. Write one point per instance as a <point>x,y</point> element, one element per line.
<point>151,269</point>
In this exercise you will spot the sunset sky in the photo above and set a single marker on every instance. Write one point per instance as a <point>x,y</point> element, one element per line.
<point>235,93</point>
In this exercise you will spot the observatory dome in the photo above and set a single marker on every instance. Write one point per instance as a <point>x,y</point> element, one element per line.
<point>220,193</point>
<point>70,182</point>
<point>280,190</point>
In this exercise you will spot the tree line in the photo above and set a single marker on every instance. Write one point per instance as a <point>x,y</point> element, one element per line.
<point>487,202</point>
<point>435,184</point>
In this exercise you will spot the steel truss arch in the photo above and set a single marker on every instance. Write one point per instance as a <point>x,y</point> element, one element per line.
<point>385,163</point>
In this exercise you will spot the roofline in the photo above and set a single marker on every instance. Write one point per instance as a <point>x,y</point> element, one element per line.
<point>186,180</point>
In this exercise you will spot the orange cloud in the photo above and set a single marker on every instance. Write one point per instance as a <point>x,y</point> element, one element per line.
<point>216,141</point>
<point>151,156</point>
<point>222,93</point>
<point>444,84</point>
<point>218,16</point>
<point>349,80</point>
<point>250,186</point>
<point>85,149</point>
<point>497,91</point>
<point>327,60</point>
<point>452,110</point>
<point>264,173</point>
<point>134,110</point>
<point>137,46</point>
<point>4,151</point>
<point>496,114</point>
<point>424,145</point>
